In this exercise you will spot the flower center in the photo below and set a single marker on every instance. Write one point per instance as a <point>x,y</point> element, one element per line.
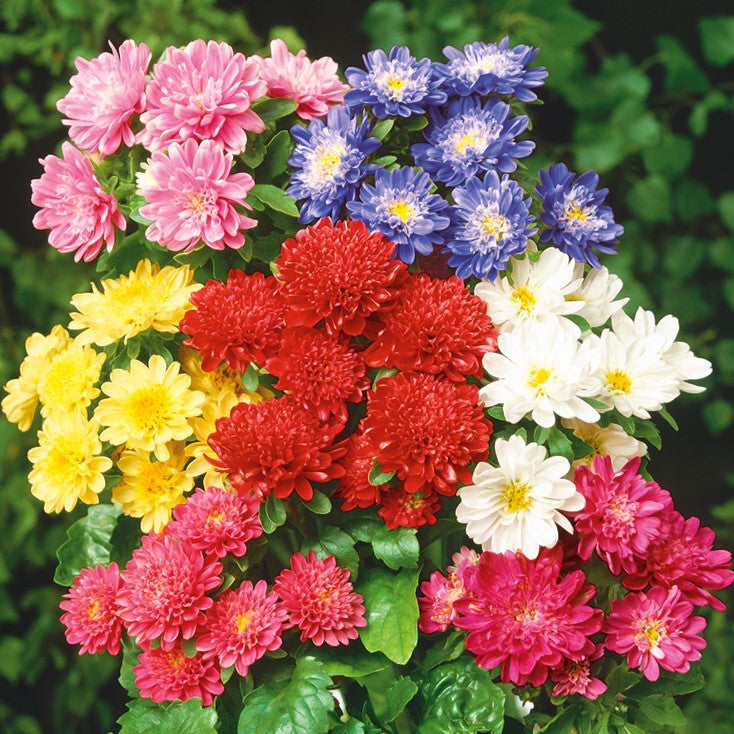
<point>464,142</point>
<point>93,610</point>
<point>652,632</point>
<point>538,379</point>
<point>200,203</point>
<point>525,298</point>
<point>493,225</point>
<point>147,407</point>
<point>395,86</point>
<point>328,162</point>
<point>242,620</point>
<point>515,497</point>
<point>618,382</point>
<point>402,210</point>
<point>577,213</point>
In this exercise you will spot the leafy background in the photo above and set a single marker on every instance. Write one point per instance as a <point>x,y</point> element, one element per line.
<point>642,92</point>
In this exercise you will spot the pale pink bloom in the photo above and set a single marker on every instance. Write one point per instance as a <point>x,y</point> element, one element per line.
<point>80,215</point>
<point>194,198</point>
<point>104,95</point>
<point>170,675</point>
<point>91,618</point>
<point>574,676</point>
<point>655,630</point>
<point>202,92</point>
<point>313,84</point>
<point>242,626</point>
<point>164,590</point>
<point>440,593</point>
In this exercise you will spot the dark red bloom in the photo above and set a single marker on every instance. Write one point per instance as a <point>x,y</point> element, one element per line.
<point>427,429</point>
<point>238,321</point>
<point>354,487</point>
<point>320,370</point>
<point>436,326</point>
<point>402,509</point>
<point>276,446</point>
<point>339,273</point>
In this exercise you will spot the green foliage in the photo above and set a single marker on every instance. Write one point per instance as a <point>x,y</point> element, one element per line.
<point>177,717</point>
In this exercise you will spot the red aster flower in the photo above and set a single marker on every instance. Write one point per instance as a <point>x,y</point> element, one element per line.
<point>276,446</point>
<point>427,429</point>
<point>217,521</point>
<point>341,274</point>
<point>242,626</point>
<point>440,594</point>
<point>574,676</point>
<point>164,587</point>
<point>683,556</point>
<point>525,616</point>
<point>354,487</point>
<point>91,618</point>
<point>403,509</point>
<point>320,600</point>
<point>320,370</point>
<point>238,321</point>
<point>170,675</point>
<point>436,326</point>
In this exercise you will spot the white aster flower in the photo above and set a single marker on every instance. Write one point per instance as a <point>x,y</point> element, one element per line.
<point>596,294</point>
<point>517,506</point>
<point>609,441</point>
<point>542,369</point>
<point>537,291</point>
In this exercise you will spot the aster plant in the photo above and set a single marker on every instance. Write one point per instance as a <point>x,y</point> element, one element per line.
<point>358,419</point>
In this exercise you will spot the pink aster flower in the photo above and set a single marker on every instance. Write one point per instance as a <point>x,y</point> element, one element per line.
<point>202,92</point>
<point>683,556</point>
<point>622,515</point>
<point>313,84</point>
<point>91,618</point>
<point>242,626</point>
<point>104,95</point>
<point>193,198</point>
<point>574,676</point>
<point>217,521</point>
<point>320,600</point>
<point>440,593</point>
<point>80,215</point>
<point>655,630</point>
<point>168,675</point>
<point>164,590</point>
<point>524,616</point>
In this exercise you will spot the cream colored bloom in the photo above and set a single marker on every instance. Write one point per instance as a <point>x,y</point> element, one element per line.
<point>609,441</point>
<point>596,294</point>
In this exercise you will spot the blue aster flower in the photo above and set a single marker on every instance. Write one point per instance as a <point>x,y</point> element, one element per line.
<point>490,222</point>
<point>467,137</point>
<point>579,225</point>
<point>329,163</point>
<point>490,67</point>
<point>402,207</point>
<point>397,84</point>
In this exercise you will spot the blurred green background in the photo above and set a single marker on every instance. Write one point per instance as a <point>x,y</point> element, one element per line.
<point>643,92</point>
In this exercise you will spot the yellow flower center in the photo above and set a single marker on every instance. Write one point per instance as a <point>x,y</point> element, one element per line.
<point>216,517</point>
<point>494,225</point>
<point>618,382</point>
<point>538,379</point>
<point>68,383</point>
<point>242,620</point>
<point>197,204</point>
<point>395,86</point>
<point>68,459</point>
<point>525,298</point>
<point>526,615</point>
<point>93,610</point>
<point>328,162</point>
<point>653,630</point>
<point>402,210</point>
<point>515,497</point>
<point>464,142</point>
<point>156,482</point>
<point>147,407</point>
<point>577,213</point>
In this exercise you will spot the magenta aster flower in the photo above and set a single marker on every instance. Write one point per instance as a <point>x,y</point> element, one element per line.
<point>168,675</point>
<point>90,617</point>
<point>655,630</point>
<point>194,197</point>
<point>217,521</point>
<point>202,92</point>
<point>574,676</point>
<point>683,556</point>
<point>164,590</point>
<point>525,616</point>
<point>242,626</point>
<point>105,93</point>
<point>622,515</point>
<point>320,600</point>
<point>80,215</point>
<point>437,610</point>
<point>313,84</point>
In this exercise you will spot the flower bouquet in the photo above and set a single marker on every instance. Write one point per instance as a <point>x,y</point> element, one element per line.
<point>360,421</point>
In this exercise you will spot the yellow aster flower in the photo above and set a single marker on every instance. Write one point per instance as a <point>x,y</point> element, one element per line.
<point>148,406</point>
<point>69,382</point>
<point>67,467</point>
<point>151,489</point>
<point>147,298</point>
<point>19,405</point>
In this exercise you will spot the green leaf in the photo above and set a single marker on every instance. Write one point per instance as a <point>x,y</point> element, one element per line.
<point>377,476</point>
<point>125,539</point>
<point>392,613</point>
<point>177,717</point>
<point>559,444</point>
<point>672,684</point>
<point>562,723</point>
<point>580,321</point>
<point>337,543</point>
<point>385,160</point>
<point>399,694</point>
<point>300,705</point>
<point>663,710</point>
<point>497,412</point>
<point>447,649</point>
<point>269,108</point>
<point>275,161</point>
<point>89,543</point>
<point>272,513</point>
<point>414,123</point>
<point>650,199</point>
<point>726,209</point>
<point>130,652</point>
<point>719,415</point>
<point>319,504</point>
<point>382,128</point>
<point>621,678</point>
<point>383,372</point>
<point>717,39</point>
<point>274,198</point>
<point>459,698</point>
<point>251,378</point>
<point>668,418</point>
<point>670,157</point>
<point>353,663</point>
<point>681,71</point>
<point>397,548</point>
